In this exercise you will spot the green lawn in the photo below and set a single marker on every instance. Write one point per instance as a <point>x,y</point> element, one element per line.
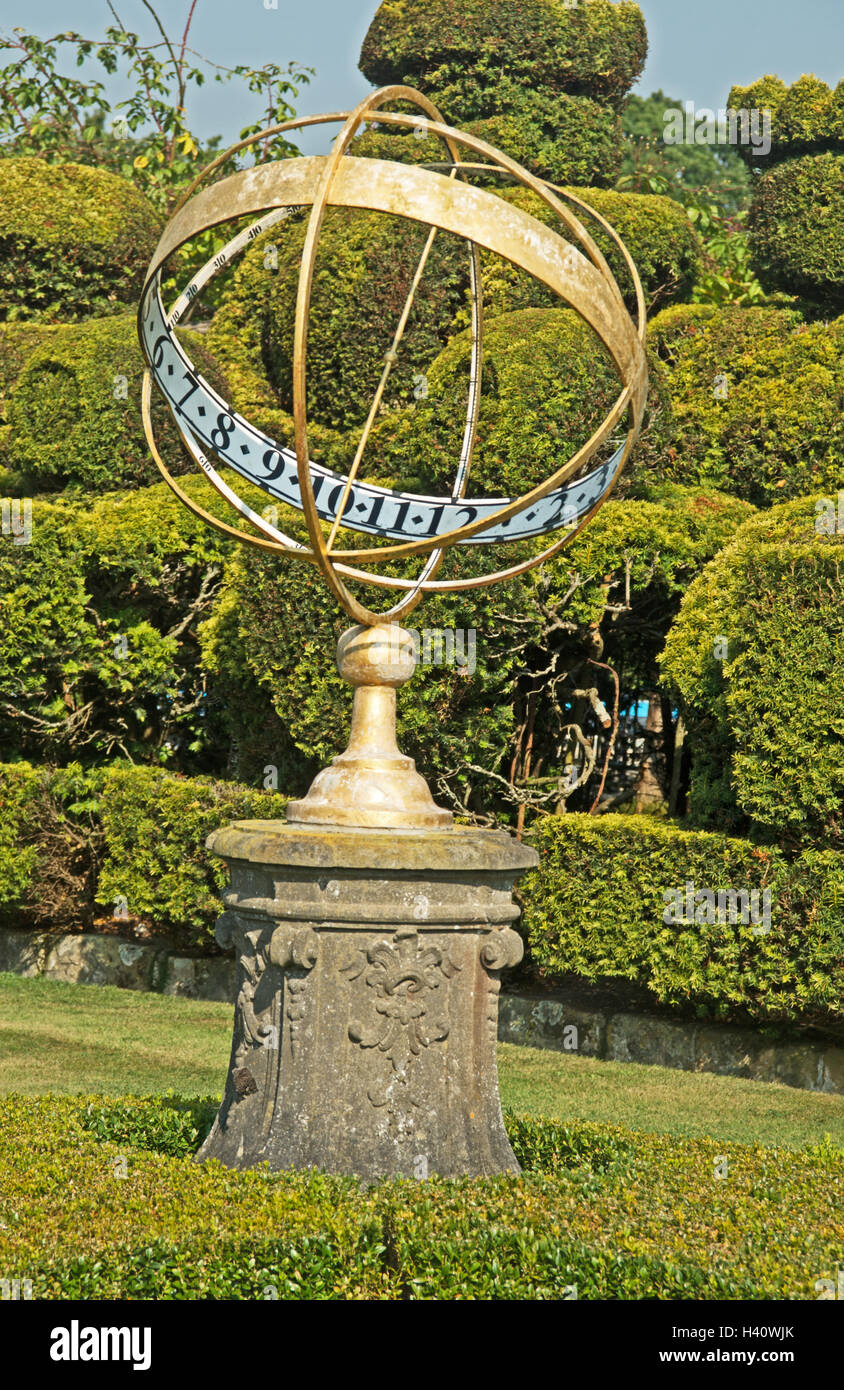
<point>84,1038</point>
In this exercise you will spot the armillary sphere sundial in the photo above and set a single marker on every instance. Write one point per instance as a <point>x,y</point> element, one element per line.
<point>371,933</point>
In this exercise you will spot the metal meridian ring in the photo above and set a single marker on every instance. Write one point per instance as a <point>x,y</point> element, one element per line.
<point>442,203</point>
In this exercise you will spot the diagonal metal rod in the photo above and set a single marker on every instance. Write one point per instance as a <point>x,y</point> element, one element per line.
<point>382,385</point>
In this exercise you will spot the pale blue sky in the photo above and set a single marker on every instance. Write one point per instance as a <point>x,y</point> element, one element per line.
<point>698,48</point>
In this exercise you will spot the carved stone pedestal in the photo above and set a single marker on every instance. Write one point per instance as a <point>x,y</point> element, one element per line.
<point>369,966</point>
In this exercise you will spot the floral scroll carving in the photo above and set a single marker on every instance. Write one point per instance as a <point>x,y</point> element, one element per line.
<point>403,977</point>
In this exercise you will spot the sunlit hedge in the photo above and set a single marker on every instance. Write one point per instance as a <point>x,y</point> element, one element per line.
<point>74,240</point>
<point>755,656</point>
<point>599,1213</point>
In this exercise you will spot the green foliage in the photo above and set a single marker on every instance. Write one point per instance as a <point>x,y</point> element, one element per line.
<point>806,117</point>
<point>73,411</point>
<point>365,268</point>
<point>155,825</point>
<point>74,241</point>
<point>561,138</point>
<point>146,137</point>
<point>50,845</point>
<point>595,908</point>
<point>100,612</point>
<point>768,721</point>
<point>277,626</point>
<point>727,276</point>
<point>548,384</point>
<point>471,55</point>
<point>797,229</point>
<point>166,1124</point>
<point>17,859</point>
<point>656,232</point>
<point>71,838</point>
<point>600,1213</point>
<point>716,173</point>
<point>747,401</point>
<point>539,80</point>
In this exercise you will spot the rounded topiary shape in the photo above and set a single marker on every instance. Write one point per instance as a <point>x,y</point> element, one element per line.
<point>750,402</point>
<point>73,411</point>
<point>548,382</point>
<point>796,229</point>
<point>806,117</point>
<point>564,139</point>
<point>365,267</point>
<point>466,47</point>
<point>755,657</point>
<point>655,230</point>
<point>74,240</point>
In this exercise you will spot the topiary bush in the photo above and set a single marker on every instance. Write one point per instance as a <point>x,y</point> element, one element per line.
<point>100,611</point>
<point>470,54</point>
<point>745,400</point>
<point>655,230</point>
<point>755,658</point>
<point>73,840</point>
<point>154,828</point>
<point>74,240</point>
<point>806,117</point>
<point>73,408</point>
<point>595,908</point>
<point>796,228</point>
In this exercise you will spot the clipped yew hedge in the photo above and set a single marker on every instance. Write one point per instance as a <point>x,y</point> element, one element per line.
<point>74,240</point>
<point>755,657</point>
<point>595,908</point>
<point>154,830</point>
<point>746,401</point>
<point>796,228</point>
<point>599,1212</point>
<point>806,117</point>
<point>73,841</point>
<point>72,413</point>
<point>470,54</point>
<point>101,610</point>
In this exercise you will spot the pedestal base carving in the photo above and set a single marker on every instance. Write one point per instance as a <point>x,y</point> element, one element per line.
<point>369,966</point>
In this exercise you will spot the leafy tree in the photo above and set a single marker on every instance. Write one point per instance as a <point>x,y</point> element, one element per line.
<point>714,172</point>
<point>147,137</point>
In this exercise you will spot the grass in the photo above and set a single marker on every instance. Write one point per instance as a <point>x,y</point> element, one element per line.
<point>70,1039</point>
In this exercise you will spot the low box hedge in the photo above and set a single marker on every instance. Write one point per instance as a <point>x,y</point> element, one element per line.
<point>599,1212</point>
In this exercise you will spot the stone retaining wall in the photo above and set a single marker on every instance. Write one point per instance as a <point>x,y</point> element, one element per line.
<point>562,1023</point>
<point>89,959</point>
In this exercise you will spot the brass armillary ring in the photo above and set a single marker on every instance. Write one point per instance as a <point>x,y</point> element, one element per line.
<point>415,525</point>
